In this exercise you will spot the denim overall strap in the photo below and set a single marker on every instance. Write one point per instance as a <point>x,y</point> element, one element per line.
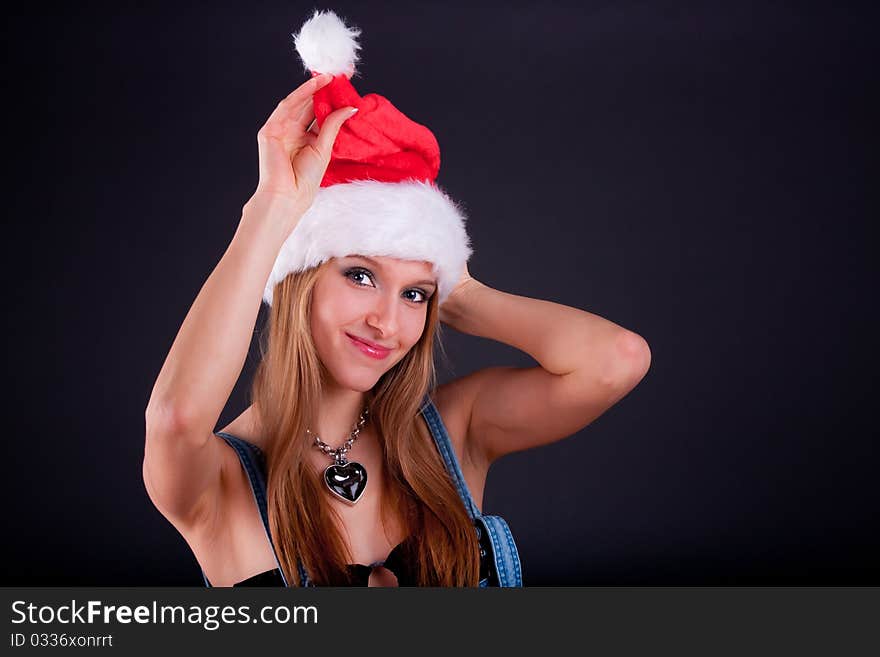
<point>254,463</point>
<point>441,438</point>
<point>505,553</point>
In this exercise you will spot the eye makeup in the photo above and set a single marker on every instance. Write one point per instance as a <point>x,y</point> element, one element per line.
<point>353,273</point>
<point>378,265</point>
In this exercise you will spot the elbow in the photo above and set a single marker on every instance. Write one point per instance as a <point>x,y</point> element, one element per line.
<point>631,359</point>
<point>166,420</point>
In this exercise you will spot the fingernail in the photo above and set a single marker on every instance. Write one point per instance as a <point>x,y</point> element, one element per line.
<point>352,111</point>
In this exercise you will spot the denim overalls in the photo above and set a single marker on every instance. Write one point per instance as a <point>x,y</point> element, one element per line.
<point>492,531</point>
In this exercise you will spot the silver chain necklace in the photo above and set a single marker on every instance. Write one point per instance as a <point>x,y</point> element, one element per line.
<point>346,479</point>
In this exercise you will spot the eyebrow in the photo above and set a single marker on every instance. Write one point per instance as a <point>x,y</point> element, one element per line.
<point>379,266</point>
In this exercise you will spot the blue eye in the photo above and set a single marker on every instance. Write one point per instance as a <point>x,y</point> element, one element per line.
<point>352,275</point>
<point>424,296</point>
<point>358,272</point>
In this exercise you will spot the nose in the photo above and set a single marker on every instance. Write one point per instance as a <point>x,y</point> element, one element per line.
<point>383,316</point>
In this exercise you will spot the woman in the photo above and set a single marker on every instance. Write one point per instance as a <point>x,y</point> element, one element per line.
<point>360,257</point>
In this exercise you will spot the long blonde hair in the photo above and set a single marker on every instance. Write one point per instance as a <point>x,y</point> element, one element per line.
<point>442,549</point>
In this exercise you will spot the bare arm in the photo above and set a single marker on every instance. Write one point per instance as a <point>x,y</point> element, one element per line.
<point>182,459</point>
<point>202,367</point>
<point>208,354</point>
<point>587,364</point>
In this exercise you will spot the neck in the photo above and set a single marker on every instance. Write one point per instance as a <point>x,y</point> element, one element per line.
<point>338,414</point>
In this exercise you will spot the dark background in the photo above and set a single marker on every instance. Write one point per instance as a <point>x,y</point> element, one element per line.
<point>695,172</point>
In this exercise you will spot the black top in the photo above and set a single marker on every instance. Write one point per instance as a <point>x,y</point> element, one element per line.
<point>396,563</point>
<point>360,573</point>
<point>269,578</point>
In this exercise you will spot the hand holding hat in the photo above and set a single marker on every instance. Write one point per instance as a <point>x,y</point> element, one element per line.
<point>293,161</point>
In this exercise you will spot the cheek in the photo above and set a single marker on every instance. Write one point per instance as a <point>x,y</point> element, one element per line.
<point>335,307</point>
<point>326,313</point>
<point>413,327</point>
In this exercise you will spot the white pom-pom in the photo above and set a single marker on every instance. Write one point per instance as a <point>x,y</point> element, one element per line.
<point>326,45</point>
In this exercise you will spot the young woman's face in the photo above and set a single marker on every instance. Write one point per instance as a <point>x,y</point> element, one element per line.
<point>379,299</point>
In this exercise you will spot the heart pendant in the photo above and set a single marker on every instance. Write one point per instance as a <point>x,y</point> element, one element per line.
<point>346,481</point>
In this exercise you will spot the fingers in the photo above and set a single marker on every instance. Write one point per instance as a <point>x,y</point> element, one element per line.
<point>291,143</point>
<point>306,90</point>
<point>311,163</point>
<point>305,117</point>
<point>330,128</point>
<point>298,103</point>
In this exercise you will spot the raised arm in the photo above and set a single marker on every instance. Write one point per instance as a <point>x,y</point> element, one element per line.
<point>587,364</point>
<point>182,459</point>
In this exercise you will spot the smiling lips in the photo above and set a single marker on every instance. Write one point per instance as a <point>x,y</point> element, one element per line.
<point>371,349</point>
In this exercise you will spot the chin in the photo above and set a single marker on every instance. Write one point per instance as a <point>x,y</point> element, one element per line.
<point>359,381</point>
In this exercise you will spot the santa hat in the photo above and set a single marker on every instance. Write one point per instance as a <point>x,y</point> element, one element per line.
<point>378,195</point>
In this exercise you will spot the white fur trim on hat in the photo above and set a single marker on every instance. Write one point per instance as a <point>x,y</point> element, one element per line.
<point>409,220</point>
